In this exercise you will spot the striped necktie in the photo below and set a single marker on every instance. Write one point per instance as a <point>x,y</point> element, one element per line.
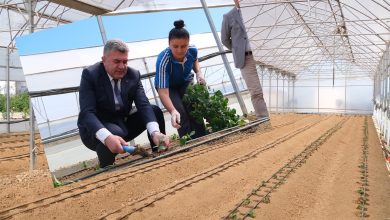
<point>117,95</point>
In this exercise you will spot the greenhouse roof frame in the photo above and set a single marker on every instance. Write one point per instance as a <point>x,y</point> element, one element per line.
<point>298,35</point>
<point>307,32</point>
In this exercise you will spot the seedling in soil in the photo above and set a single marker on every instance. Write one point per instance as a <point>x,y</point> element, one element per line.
<point>263,183</point>
<point>241,122</point>
<point>246,202</point>
<point>362,200</point>
<point>360,207</point>
<point>161,146</point>
<point>266,200</point>
<point>233,216</point>
<point>251,214</point>
<point>56,182</point>
<point>183,140</point>
<point>360,191</point>
<point>254,191</point>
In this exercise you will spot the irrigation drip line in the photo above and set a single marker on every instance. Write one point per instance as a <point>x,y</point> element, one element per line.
<point>290,167</point>
<point>364,167</point>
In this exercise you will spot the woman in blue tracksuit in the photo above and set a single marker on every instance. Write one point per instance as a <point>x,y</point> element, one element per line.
<point>174,74</point>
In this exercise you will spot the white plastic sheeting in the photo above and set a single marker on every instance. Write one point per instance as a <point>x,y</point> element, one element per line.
<point>15,68</point>
<point>59,70</point>
<point>297,35</point>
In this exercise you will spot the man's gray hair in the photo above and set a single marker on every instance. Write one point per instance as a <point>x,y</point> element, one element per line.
<point>116,45</point>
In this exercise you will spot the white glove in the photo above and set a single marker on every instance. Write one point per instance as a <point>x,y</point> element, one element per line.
<point>200,78</point>
<point>175,119</point>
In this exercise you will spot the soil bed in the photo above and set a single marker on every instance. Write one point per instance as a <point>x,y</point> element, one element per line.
<point>209,181</point>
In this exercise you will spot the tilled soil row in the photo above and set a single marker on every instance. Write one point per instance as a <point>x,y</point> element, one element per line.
<point>98,184</point>
<point>150,200</point>
<point>208,181</point>
<point>70,192</point>
<point>262,192</point>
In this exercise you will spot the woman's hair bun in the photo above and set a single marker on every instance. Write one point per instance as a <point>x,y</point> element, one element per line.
<point>179,24</point>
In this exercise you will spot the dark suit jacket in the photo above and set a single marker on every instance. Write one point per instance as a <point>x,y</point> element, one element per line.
<point>234,37</point>
<point>97,105</point>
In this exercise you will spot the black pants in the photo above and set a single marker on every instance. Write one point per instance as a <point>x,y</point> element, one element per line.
<point>135,126</point>
<point>187,122</point>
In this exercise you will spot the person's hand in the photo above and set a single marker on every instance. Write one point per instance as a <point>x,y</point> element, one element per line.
<point>114,144</point>
<point>200,78</point>
<point>175,119</point>
<point>161,139</point>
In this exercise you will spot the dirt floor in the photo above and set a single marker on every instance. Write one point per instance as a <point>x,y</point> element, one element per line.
<point>304,167</point>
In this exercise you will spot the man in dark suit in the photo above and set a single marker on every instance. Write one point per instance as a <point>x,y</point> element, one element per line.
<point>234,37</point>
<point>107,92</point>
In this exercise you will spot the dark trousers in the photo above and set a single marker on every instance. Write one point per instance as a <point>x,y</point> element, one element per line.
<point>135,126</point>
<point>187,122</point>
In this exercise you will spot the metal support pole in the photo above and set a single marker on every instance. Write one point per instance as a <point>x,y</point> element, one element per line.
<point>224,58</point>
<point>283,93</point>
<point>288,94</point>
<point>270,89</point>
<point>33,155</point>
<point>8,103</point>
<point>318,92</point>
<point>386,71</point>
<point>151,84</point>
<point>277,92</point>
<point>33,158</point>
<point>345,94</point>
<point>101,28</point>
<point>293,95</point>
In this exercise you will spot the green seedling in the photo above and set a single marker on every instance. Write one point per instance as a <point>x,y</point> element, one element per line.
<point>241,122</point>
<point>254,191</point>
<point>161,146</point>
<point>266,200</point>
<point>56,182</point>
<point>183,140</point>
<point>360,191</point>
<point>246,202</point>
<point>362,200</point>
<point>251,213</point>
<point>233,216</point>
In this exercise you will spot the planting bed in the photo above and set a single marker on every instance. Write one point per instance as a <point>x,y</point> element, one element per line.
<point>303,167</point>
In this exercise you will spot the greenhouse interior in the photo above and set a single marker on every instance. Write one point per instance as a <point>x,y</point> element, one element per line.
<point>323,152</point>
